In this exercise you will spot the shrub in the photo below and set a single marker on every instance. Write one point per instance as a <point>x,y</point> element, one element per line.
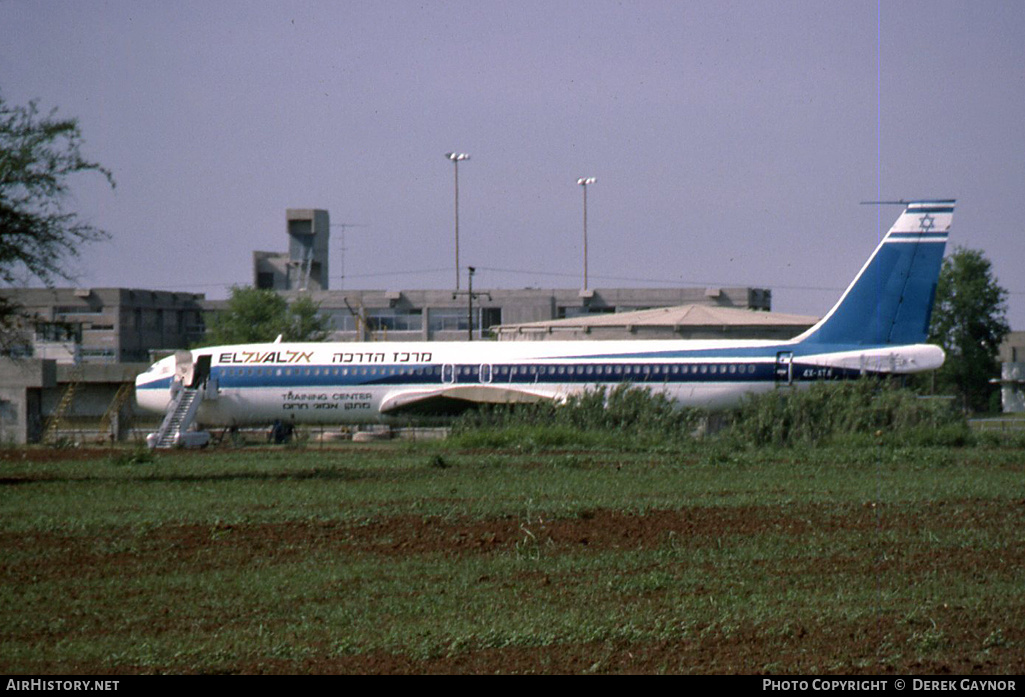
<point>835,411</point>
<point>853,413</point>
<point>623,416</point>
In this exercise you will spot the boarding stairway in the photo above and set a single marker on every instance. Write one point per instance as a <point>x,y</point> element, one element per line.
<point>56,420</point>
<point>180,416</point>
<point>109,424</point>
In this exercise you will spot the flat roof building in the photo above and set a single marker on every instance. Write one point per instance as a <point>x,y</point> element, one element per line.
<point>102,325</point>
<point>72,354</point>
<point>681,322</point>
<point>443,315</point>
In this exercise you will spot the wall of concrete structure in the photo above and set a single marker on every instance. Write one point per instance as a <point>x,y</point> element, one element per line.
<point>1012,372</point>
<point>97,386</point>
<point>105,324</point>
<point>22,382</point>
<point>305,266</point>
<point>440,315</point>
<point>110,332</point>
<point>1012,387</point>
<point>270,270</point>
<point>1012,349</point>
<point>309,232</point>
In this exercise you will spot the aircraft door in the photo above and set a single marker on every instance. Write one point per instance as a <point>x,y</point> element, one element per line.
<point>200,372</point>
<point>448,373</point>
<point>183,367</point>
<point>485,373</point>
<point>785,368</point>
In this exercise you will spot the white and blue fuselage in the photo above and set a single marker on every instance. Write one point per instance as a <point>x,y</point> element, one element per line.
<point>878,327</point>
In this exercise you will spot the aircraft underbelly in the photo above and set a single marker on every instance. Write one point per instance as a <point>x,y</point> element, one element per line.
<point>259,406</point>
<point>719,395</point>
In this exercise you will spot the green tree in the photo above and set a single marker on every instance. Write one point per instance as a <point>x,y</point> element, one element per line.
<point>38,156</point>
<point>305,321</point>
<point>969,321</point>
<point>253,316</point>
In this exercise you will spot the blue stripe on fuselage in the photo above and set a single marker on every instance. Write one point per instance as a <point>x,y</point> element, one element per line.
<point>544,373</point>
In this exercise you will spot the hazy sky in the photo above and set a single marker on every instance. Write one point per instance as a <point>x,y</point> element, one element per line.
<point>731,141</point>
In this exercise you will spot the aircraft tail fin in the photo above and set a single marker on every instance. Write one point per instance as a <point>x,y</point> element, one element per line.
<point>890,300</point>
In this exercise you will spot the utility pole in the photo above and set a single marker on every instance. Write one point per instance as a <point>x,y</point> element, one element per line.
<point>469,304</point>
<point>470,295</point>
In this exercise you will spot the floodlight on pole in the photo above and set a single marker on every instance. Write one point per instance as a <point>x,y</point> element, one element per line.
<point>456,158</point>
<point>584,182</point>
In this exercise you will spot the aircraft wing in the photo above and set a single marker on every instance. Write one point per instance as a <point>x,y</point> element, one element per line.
<point>456,397</point>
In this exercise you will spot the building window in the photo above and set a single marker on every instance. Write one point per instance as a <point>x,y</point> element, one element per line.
<point>489,317</point>
<point>59,331</point>
<point>451,319</point>
<point>389,319</point>
<point>567,312</point>
<point>63,310</point>
<point>377,320</point>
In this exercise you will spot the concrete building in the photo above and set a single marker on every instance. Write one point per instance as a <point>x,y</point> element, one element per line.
<point>305,265</point>
<point>89,401</point>
<point>681,322</point>
<point>439,315</point>
<point>22,382</point>
<point>102,325</point>
<point>73,353</point>
<point>1012,348</point>
<point>1012,372</point>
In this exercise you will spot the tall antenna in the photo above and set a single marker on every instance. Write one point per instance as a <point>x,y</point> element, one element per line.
<point>341,278</point>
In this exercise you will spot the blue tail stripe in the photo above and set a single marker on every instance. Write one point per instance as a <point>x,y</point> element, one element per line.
<point>890,302</point>
<point>933,209</point>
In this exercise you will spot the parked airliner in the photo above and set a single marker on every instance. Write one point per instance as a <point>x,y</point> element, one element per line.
<point>878,327</point>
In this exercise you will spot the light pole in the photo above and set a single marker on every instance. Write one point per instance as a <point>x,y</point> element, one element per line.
<point>469,303</point>
<point>583,182</point>
<point>456,158</point>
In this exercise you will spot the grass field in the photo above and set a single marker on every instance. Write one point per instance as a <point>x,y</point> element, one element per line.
<point>436,558</point>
